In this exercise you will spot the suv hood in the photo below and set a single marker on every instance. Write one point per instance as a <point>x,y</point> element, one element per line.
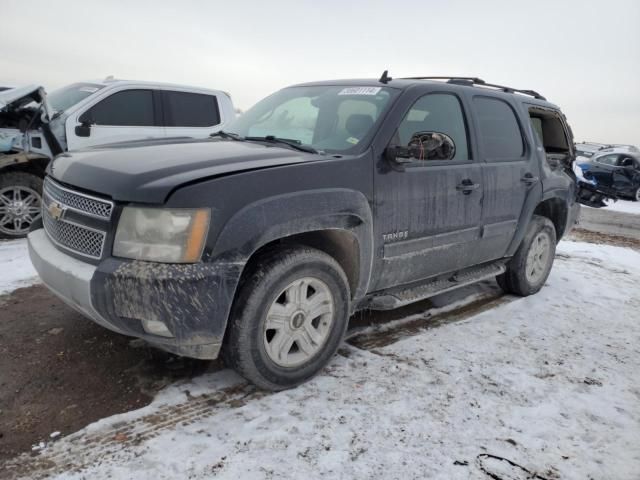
<point>19,97</point>
<point>148,171</point>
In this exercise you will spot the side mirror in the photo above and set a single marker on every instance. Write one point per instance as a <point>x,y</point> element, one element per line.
<point>423,146</point>
<point>84,129</point>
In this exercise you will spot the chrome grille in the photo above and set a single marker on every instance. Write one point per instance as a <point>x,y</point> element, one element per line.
<point>86,204</point>
<point>59,203</point>
<point>74,237</point>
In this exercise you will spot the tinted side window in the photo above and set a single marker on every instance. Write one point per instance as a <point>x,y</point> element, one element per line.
<point>191,110</point>
<point>436,112</point>
<point>131,108</point>
<point>499,130</point>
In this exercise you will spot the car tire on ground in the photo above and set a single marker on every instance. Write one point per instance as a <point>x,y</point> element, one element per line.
<point>529,268</point>
<point>288,319</point>
<point>636,195</point>
<point>20,203</point>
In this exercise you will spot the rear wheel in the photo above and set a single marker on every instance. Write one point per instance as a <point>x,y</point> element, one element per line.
<point>20,203</point>
<point>288,319</point>
<point>530,266</point>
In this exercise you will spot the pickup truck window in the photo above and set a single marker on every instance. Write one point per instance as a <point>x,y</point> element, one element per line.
<point>332,118</point>
<point>131,108</point>
<point>184,109</point>
<point>436,112</point>
<point>499,129</point>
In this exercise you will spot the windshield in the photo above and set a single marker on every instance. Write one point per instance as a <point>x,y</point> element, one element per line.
<point>334,119</point>
<point>68,96</point>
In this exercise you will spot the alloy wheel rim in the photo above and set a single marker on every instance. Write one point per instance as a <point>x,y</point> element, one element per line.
<point>538,257</point>
<point>298,322</point>
<point>19,207</point>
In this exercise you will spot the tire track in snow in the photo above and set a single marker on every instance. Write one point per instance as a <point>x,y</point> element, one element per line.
<point>80,450</point>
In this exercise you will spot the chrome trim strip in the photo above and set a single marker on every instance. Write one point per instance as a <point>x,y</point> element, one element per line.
<point>77,252</point>
<point>89,197</point>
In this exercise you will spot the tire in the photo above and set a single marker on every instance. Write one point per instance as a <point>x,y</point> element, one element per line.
<point>20,203</point>
<point>529,268</point>
<point>636,195</point>
<point>269,340</point>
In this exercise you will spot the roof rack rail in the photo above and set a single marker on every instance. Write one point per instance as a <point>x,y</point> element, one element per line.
<point>478,81</point>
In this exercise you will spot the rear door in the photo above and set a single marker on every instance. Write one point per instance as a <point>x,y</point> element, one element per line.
<point>427,216</point>
<point>188,114</point>
<point>122,116</point>
<point>510,172</point>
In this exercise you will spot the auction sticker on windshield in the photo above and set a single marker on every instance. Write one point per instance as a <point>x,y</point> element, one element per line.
<point>360,91</point>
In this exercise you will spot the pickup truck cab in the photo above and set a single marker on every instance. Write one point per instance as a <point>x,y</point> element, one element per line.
<point>323,199</point>
<point>35,126</point>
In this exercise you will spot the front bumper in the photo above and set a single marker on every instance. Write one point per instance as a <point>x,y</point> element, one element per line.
<point>193,301</point>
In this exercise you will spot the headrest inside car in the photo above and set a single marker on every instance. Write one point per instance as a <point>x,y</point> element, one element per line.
<point>359,124</point>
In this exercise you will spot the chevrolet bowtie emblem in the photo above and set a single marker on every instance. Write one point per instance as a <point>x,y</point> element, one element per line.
<point>56,210</point>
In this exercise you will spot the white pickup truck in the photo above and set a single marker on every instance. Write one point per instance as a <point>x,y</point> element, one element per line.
<point>35,126</point>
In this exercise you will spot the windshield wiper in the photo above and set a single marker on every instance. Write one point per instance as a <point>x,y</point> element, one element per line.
<point>297,144</point>
<point>223,134</point>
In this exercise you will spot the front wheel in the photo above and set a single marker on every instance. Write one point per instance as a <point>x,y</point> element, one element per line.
<point>20,203</point>
<point>288,319</point>
<point>529,268</point>
<point>636,196</point>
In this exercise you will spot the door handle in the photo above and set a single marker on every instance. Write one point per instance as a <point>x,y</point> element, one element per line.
<point>528,179</point>
<point>467,186</point>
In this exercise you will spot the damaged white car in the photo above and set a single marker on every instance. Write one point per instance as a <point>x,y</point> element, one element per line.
<point>35,126</point>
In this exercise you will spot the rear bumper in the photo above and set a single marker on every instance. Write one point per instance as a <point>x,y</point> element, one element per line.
<point>193,301</point>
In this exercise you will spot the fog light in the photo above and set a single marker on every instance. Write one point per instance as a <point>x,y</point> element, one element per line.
<point>156,327</point>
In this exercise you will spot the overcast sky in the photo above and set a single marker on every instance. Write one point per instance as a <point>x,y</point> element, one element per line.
<point>583,55</point>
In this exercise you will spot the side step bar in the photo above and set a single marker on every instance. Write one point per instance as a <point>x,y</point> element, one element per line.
<point>399,297</point>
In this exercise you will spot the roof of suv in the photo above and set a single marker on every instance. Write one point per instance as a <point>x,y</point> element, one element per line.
<point>453,84</point>
<point>116,82</point>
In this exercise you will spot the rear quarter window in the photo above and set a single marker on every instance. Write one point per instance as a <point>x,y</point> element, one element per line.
<point>499,130</point>
<point>184,109</point>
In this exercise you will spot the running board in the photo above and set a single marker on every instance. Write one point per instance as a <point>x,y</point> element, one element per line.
<point>402,296</point>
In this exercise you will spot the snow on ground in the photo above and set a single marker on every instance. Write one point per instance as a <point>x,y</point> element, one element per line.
<point>15,267</point>
<point>550,382</point>
<point>624,206</point>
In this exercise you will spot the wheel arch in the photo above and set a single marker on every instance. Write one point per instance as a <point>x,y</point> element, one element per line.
<point>34,166</point>
<point>342,245</point>
<point>553,204</point>
<point>335,221</point>
<point>556,210</point>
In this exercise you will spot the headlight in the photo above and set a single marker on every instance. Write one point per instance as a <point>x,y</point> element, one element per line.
<point>162,235</point>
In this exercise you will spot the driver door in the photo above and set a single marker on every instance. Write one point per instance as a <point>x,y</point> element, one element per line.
<point>428,214</point>
<point>122,116</point>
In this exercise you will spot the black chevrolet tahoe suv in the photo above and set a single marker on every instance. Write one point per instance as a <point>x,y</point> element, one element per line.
<point>323,199</point>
